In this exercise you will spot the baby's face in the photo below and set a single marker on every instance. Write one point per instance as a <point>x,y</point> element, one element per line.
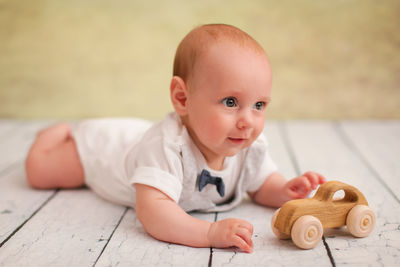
<point>226,101</point>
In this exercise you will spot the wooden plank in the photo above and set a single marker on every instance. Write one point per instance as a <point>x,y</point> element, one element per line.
<point>132,246</point>
<point>16,138</point>
<point>378,142</point>
<point>71,230</point>
<point>9,125</point>
<point>279,150</point>
<point>9,129</point>
<point>269,250</point>
<point>17,200</point>
<point>65,231</point>
<point>320,146</point>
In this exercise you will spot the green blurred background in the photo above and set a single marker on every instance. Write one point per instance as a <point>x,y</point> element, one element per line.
<point>94,58</point>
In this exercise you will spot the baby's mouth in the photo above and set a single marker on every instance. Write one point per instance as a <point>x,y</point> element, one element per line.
<point>237,140</point>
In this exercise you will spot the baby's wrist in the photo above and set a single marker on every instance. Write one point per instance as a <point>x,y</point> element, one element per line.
<point>210,233</point>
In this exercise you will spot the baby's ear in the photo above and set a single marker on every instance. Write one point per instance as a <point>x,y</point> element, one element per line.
<point>178,95</point>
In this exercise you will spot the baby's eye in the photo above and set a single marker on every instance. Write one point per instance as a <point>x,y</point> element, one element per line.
<point>229,102</point>
<point>259,105</point>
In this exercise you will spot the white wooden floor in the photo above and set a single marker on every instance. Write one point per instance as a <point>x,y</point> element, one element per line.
<point>76,228</point>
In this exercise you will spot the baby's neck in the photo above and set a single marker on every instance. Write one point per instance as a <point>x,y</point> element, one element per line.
<point>216,164</point>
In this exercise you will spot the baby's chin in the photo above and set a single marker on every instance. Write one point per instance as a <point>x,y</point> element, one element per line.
<point>234,152</point>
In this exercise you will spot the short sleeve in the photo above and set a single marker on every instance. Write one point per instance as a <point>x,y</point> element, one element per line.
<point>159,179</point>
<point>156,162</point>
<point>258,164</point>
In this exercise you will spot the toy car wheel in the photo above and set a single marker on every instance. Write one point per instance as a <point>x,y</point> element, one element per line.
<point>360,221</point>
<point>307,232</point>
<point>279,234</point>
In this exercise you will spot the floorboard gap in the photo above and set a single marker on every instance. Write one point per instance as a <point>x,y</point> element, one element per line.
<point>111,235</point>
<point>30,217</point>
<point>289,147</point>
<point>349,143</point>
<point>328,250</point>
<point>211,249</point>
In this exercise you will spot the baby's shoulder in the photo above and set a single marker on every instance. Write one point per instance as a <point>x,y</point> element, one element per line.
<point>169,131</point>
<point>158,149</point>
<point>161,142</point>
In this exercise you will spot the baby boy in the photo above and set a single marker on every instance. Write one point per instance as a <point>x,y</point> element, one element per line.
<point>205,156</point>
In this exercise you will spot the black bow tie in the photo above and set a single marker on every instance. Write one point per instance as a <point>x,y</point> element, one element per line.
<point>206,178</point>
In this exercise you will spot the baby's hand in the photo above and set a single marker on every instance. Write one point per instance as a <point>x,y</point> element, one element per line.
<point>301,187</point>
<point>231,232</point>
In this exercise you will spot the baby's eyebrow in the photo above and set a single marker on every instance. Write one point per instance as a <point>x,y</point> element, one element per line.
<point>267,99</point>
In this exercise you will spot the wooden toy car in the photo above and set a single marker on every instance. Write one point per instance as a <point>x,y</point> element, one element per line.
<point>303,220</point>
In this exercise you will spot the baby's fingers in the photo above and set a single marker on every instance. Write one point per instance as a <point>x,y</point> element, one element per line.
<point>312,178</point>
<point>293,193</point>
<point>315,179</point>
<point>246,235</point>
<point>298,187</point>
<point>321,179</point>
<point>244,231</point>
<point>304,186</point>
<point>242,244</point>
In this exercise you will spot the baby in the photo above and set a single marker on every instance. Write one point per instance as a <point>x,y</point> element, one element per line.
<point>205,156</point>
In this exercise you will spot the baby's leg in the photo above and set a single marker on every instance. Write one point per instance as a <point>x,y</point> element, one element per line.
<point>53,160</point>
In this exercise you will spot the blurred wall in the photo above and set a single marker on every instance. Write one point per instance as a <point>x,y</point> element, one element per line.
<point>93,58</point>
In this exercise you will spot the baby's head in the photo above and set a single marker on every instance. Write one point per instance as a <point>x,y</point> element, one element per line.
<point>220,89</point>
<point>198,41</point>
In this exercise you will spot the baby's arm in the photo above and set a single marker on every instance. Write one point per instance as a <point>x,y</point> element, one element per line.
<point>276,190</point>
<point>163,219</point>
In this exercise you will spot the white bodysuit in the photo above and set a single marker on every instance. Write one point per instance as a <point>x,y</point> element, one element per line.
<point>117,153</point>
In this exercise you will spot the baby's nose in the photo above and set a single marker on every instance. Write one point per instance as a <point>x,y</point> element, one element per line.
<point>245,120</point>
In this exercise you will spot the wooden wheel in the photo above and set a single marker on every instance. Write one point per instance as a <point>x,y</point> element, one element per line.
<point>360,221</point>
<point>279,234</point>
<point>307,232</point>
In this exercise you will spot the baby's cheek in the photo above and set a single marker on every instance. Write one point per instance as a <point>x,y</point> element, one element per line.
<point>219,126</point>
<point>256,132</point>
<point>211,132</point>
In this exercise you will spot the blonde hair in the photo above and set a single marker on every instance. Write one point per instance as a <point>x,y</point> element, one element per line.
<point>200,38</point>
